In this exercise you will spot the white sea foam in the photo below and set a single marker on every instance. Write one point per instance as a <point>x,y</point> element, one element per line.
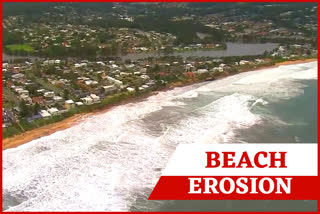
<point>261,101</point>
<point>111,160</point>
<point>274,83</point>
<point>215,122</point>
<point>189,94</point>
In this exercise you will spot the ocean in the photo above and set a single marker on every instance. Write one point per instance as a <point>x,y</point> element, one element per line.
<point>111,161</point>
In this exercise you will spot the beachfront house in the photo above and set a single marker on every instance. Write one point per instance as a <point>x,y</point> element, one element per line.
<point>53,111</point>
<point>243,62</point>
<point>95,98</point>
<point>131,90</point>
<point>201,71</point>
<point>217,69</point>
<point>87,100</point>
<point>68,104</point>
<point>79,103</point>
<point>109,89</point>
<point>45,114</point>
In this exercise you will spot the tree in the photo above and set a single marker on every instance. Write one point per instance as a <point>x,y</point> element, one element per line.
<point>168,50</point>
<point>127,61</point>
<point>308,52</point>
<point>36,108</point>
<point>24,110</point>
<point>32,88</point>
<point>37,72</point>
<point>136,88</point>
<point>156,68</point>
<point>65,94</point>
<point>102,90</point>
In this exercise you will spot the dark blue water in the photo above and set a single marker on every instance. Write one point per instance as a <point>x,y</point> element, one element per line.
<point>293,120</point>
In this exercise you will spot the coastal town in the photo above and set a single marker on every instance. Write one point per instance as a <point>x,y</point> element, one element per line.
<point>42,92</point>
<point>78,68</point>
<point>82,30</point>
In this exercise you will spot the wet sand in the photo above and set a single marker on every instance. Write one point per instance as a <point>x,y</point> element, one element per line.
<point>68,122</point>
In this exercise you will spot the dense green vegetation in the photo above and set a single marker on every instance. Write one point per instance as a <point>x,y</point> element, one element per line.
<point>156,19</point>
<point>19,47</point>
<point>152,17</point>
<point>10,38</point>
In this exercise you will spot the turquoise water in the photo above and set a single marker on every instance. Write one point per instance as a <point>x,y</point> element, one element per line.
<point>297,116</point>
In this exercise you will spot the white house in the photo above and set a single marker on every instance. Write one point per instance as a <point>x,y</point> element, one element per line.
<point>79,103</point>
<point>243,62</point>
<point>44,113</point>
<point>217,69</point>
<point>145,77</point>
<point>53,111</point>
<point>201,71</point>
<point>49,94</point>
<point>129,89</point>
<point>87,100</point>
<point>58,99</point>
<point>95,98</point>
<point>23,92</point>
<point>109,89</point>
<point>100,63</point>
<point>68,104</point>
<point>115,81</point>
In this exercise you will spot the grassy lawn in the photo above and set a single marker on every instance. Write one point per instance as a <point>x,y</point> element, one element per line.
<point>20,47</point>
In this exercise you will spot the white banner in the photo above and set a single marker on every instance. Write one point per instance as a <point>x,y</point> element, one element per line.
<point>237,160</point>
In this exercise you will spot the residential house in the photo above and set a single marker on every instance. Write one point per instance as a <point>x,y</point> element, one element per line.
<point>201,71</point>
<point>131,90</point>
<point>87,100</point>
<point>68,104</point>
<point>95,98</point>
<point>49,95</point>
<point>44,113</point>
<point>38,100</point>
<point>109,89</point>
<point>53,111</point>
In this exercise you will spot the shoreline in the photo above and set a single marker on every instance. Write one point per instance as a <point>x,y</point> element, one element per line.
<point>46,130</point>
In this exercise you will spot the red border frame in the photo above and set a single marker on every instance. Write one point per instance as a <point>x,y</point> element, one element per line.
<point>318,117</point>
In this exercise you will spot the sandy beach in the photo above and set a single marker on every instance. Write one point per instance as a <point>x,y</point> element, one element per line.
<point>46,130</point>
<point>68,122</point>
<point>294,62</point>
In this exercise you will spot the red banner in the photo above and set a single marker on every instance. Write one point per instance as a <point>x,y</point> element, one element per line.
<point>236,187</point>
